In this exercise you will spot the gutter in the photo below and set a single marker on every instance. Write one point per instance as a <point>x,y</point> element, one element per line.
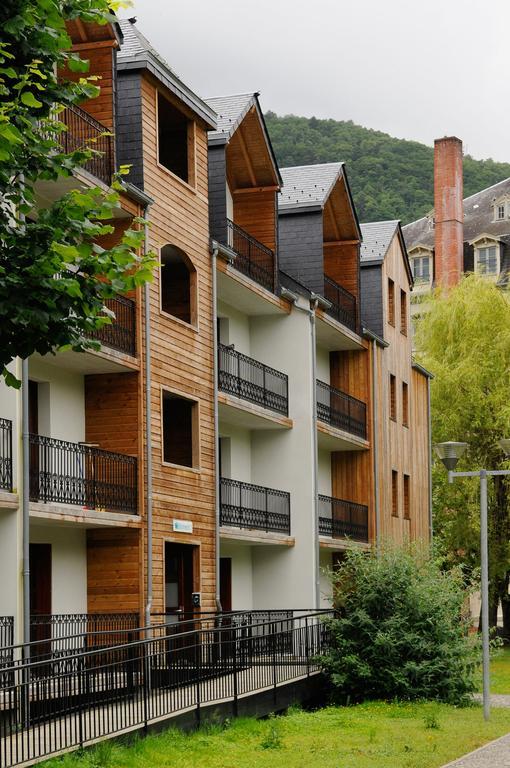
<point>214,255</point>
<point>148,422</point>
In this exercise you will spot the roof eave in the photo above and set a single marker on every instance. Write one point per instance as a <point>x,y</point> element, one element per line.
<point>299,208</point>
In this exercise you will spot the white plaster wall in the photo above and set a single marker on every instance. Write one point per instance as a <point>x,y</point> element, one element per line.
<point>326,590</point>
<point>61,401</point>
<point>68,566</point>
<point>10,408</point>
<point>324,467</point>
<point>236,457</point>
<point>10,563</point>
<point>242,575</point>
<point>235,328</point>
<point>283,459</point>
<point>323,369</point>
<point>230,205</point>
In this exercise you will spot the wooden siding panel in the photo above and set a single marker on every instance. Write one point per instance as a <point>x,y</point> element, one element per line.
<point>113,570</point>
<point>255,212</point>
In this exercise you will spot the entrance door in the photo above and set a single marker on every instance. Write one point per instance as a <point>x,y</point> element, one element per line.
<point>40,597</point>
<point>226,584</point>
<point>179,580</point>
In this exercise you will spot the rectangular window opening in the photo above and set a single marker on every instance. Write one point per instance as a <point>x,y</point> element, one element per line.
<point>394,493</point>
<point>393,397</point>
<point>407,498</point>
<point>173,144</point>
<point>391,302</point>
<point>405,404</point>
<point>180,430</point>
<point>403,312</point>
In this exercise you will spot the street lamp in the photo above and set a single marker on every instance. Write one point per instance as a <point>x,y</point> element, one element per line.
<point>450,453</point>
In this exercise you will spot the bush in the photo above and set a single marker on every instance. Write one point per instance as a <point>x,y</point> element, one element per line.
<point>401,630</point>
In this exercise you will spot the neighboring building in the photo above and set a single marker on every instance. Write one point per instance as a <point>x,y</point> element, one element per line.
<point>459,236</point>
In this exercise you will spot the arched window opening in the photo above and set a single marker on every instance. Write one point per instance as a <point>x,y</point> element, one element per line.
<point>178,284</point>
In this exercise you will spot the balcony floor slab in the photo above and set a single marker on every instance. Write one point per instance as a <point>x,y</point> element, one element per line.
<point>341,545</point>
<point>241,413</point>
<point>8,500</point>
<point>334,439</point>
<point>104,360</point>
<point>334,336</point>
<point>67,514</point>
<point>251,536</point>
<point>247,296</point>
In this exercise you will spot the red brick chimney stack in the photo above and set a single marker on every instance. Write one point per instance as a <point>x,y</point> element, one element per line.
<point>449,214</point>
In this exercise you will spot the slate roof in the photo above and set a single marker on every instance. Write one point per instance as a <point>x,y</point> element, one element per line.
<point>306,186</point>
<point>377,236</point>
<point>136,52</point>
<point>478,218</point>
<point>230,111</point>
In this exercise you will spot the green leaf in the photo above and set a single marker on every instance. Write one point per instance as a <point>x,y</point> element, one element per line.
<point>29,100</point>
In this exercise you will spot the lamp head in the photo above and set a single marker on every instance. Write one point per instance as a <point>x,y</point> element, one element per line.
<point>450,452</point>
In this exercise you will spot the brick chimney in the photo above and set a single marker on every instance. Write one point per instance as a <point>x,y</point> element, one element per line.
<point>448,210</point>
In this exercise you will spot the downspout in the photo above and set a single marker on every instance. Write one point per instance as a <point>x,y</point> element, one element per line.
<point>431,522</point>
<point>216,434</point>
<point>313,306</point>
<point>375,447</point>
<point>25,505</point>
<point>148,425</point>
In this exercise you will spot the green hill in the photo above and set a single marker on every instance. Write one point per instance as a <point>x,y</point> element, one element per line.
<point>390,178</point>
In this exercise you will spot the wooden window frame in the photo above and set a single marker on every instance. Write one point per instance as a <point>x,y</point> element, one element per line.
<point>405,404</point>
<point>406,496</point>
<point>403,312</point>
<point>191,184</point>
<point>394,494</point>
<point>393,397</point>
<point>193,291</point>
<point>391,302</point>
<point>195,432</point>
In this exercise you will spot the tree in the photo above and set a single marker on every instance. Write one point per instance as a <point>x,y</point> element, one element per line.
<point>401,630</point>
<point>54,277</point>
<point>464,339</point>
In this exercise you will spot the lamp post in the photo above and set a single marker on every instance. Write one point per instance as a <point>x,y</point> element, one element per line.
<point>450,453</point>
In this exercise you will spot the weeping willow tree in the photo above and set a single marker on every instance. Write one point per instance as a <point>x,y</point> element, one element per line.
<point>464,338</point>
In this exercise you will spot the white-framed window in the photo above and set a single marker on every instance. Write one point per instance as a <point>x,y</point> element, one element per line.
<point>487,259</point>
<point>421,269</point>
<point>500,211</point>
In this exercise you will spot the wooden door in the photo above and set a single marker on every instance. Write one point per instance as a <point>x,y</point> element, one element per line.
<point>40,598</point>
<point>179,580</point>
<point>226,584</point>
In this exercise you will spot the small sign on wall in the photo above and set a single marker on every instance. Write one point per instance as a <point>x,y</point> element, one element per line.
<point>182,526</point>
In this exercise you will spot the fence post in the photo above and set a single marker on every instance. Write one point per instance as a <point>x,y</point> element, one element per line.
<point>273,632</point>
<point>146,688</point>
<point>266,511</point>
<point>307,648</point>
<point>198,670</point>
<point>234,672</point>
<point>80,701</point>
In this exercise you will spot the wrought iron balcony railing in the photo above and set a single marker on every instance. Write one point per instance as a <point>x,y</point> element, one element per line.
<point>84,132</point>
<point>253,258</point>
<point>120,334</point>
<point>244,505</point>
<point>247,378</point>
<point>6,454</point>
<point>340,410</point>
<point>342,519</point>
<point>343,304</point>
<point>74,473</point>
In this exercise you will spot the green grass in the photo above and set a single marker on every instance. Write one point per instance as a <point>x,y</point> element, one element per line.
<point>500,671</point>
<point>372,735</point>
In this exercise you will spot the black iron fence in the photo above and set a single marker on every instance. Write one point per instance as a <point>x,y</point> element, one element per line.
<point>6,648</point>
<point>253,258</point>
<point>247,378</point>
<point>120,334</point>
<point>84,132</point>
<point>340,410</point>
<point>244,505</point>
<point>75,473</point>
<point>343,304</point>
<point>6,454</point>
<point>342,519</point>
<point>101,693</point>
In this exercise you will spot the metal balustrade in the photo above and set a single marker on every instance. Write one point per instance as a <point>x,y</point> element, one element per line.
<point>342,519</point>
<point>250,380</point>
<point>75,473</point>
<point>343,304</point>
<point>6,454</point>
<point>253,258</point>
<point>120,334</point>
<point>244,505</point>
<point>340,410</point>
<point>85,132</point>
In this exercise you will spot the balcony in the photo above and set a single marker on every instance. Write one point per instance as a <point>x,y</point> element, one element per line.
<point>82,475</point>
<point>120,334</point>
<point>253,259</point>
<point>341,519</point>
<point>250,380</point>
<point>244,505</point>
<point>84,132</point>
<point>6,455</point>
<point>343,304</point>
<point>341,411</point>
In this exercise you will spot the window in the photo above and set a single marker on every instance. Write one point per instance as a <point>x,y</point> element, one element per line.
<point>501,212</point>
<point>407,498</point>
<point>393,397</point>
<point>403,312</point>
<point>178,284</point>
<point>180,430</point>
<point>421,269</point>
<point>175,140</point>
<point>394,493</point>
<point>391,302</point>
<point>487,261</point>
<point>405,404</point>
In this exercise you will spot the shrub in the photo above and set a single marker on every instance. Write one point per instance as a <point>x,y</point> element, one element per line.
<point>401,630</point>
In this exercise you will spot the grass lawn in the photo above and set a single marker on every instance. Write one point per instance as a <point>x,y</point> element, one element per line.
<point>500,671</point>
<point>373,735</point>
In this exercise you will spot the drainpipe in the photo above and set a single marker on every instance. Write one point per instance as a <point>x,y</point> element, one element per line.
<point>216,433</point>
<point>431,522</point>
<point>148,425</point>
<point>25,506</point>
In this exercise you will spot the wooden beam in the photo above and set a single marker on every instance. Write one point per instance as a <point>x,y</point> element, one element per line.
<point>331,213</point>
<point>245,190</point>
<point>98,44</point>
<point>81,29</point>
<point>331,243</point>
<point>246,156</point>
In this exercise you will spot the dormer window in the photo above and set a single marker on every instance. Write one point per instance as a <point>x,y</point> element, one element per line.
<point>500,208</point>
<point>487,260</point>
<point>421,269</point>
<point>500,212</point>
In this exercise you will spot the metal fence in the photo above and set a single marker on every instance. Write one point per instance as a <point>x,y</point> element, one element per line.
<point>342,519</point>
<point>6,454</point>
<point>107,692</point>
<point>244,505</point>
<point>343,303</point>
<point>253,258</point>
<point>340,410</point>
<point>73,473</point>
<point>120,334</point>
<point>247,378</point>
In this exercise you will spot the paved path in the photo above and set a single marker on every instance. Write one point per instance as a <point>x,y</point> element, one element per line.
<point>497,699</point>
<point>496,754</point>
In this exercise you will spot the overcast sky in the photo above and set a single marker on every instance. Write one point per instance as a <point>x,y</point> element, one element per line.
<point>416,70</point>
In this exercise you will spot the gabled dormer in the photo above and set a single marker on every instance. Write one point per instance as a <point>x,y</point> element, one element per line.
<point>243,185</point>
<point>320,236</point>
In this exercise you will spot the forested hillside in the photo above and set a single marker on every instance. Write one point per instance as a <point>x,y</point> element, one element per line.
<point>390,178</point>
